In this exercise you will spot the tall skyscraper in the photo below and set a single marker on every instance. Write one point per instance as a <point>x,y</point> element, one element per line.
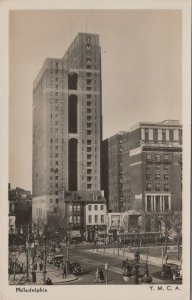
<point>67,123</point>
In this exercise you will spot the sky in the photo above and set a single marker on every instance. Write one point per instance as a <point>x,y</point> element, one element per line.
<point>141,69</point>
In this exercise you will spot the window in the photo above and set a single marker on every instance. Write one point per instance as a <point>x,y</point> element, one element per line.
<point>70,208</point>
<point>88,142</point>
<point>89,164</point>
<point>157,168</point>
<point>57,200</point>
<point>148,176</point>
<point>166,158</point>
<point>166,176</point>
<point>88,81</point>
<point>89,118</point>
<point>89,186</point>
<point>88,74</point>
<point>70,219</point>
<point>157,176</point>
<point>96,207</point>
<point>148,168</point>
<point>146,134</point>
<point>164,135</point>
<point>102,218</point>
<point>88,88</point>
<point>88,156</point>
<point>88,103</point>
<point>96,218</point>
<point>101,207</point>
<point>166,186</point>
<point>88,110</point>
<point>166,168</point>
<point>166,203</point>
<point>157,186</point>
<point>90,219</point>
<point>88,132</point>
<point>88,149</point>
<point>89,207</point>
<point>148,203</point>
<point>148,158</point>
<point>157,158</point>
<point>88,125</point>
<point>89,171</point>
<point>148,186</point>
<point>89,178</point>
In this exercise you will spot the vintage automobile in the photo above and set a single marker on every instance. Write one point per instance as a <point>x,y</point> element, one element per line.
<point>50,258</point>
<point>172,271</point>
<point>57,260</point>
<point>75,268</point>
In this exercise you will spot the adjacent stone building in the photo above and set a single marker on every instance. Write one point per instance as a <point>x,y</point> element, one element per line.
<point>145,168</point>
<point>153,175</point>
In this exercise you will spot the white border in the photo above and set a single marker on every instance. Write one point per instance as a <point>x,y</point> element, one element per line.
<point>89,292</point>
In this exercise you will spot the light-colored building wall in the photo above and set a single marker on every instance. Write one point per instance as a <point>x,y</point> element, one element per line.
<point>95,214</point>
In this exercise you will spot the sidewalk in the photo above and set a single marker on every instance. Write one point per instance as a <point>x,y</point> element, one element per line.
<point>57,278</point>
<point>155,261</point>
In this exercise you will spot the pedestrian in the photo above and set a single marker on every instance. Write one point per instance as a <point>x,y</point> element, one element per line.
<point>101,275</point>
<point>33,276</point>
<point>97,275</point>
<point>41,266</point>
<point>64,272</point>
<point>49,281</point>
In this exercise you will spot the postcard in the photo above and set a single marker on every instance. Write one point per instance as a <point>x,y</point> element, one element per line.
<point>95,164</point>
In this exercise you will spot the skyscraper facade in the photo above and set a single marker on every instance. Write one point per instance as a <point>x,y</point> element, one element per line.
<point>67,123</point>
<point>115,175</point>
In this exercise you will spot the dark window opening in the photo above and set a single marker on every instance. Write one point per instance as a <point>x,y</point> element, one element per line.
<point>72,81</point>
<point>72,111</point>
<point>72,165</point>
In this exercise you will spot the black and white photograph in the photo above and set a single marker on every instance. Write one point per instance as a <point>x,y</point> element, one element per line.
<point>98,138</point>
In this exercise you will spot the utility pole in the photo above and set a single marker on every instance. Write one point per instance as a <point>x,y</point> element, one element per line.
<point>45,260</point>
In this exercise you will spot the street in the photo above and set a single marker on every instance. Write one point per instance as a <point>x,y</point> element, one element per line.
<point>91,259</point>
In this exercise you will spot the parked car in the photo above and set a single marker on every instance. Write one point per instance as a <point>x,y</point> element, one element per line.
<point>75,268</point>
<point>172,271</point>
<point>58,259</point>
<point>50,258</point>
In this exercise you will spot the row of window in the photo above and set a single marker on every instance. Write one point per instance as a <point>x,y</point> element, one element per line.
<point>74,207</point>
<point>157,176</point>
<point>95,207</point>
<point>74,219</point>
<point>157,168</point>
<point>157,186</point>
<point>96,219</point>
<point>158,158</point>
<point>162,134</point>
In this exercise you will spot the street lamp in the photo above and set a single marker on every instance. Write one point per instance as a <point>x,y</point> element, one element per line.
<point>118,242</point>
